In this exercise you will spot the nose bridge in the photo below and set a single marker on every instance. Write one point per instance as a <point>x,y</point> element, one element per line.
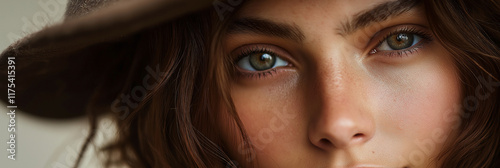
<point>337,93</point>
<point>333,79</point>
<point>340,120</point>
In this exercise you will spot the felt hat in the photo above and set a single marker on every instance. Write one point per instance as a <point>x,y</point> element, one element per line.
<point>49,68</point>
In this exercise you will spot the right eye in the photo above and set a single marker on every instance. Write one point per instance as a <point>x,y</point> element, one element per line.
<point>260,61</point>
<point>399,41</point>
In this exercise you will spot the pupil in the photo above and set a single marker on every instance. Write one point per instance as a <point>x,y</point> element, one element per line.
<point>265,57</point>
<point>402,37</point>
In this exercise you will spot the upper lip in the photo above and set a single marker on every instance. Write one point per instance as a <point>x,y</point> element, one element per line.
<point>366,166</point>
<point>370,166</point>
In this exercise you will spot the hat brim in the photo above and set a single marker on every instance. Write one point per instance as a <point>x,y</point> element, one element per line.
<point>45,90</point>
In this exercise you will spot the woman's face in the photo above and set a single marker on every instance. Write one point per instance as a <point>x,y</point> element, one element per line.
<point>344,83</point>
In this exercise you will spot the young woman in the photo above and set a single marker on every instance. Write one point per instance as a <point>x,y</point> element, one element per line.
<point>385,83</point>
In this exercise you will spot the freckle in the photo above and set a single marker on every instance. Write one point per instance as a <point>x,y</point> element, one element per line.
<point>373,151</point>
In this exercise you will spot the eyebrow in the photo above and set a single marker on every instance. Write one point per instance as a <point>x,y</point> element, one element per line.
<point>266,27</point>
<point>378,13</point>
<point>289,31</point>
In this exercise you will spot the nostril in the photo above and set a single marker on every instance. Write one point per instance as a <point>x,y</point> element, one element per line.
<point>324,141</point>
<point>358,135</point>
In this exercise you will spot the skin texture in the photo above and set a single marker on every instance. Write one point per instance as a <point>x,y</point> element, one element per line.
<point>337,104</point>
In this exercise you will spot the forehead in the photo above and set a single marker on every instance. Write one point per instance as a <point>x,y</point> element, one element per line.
<point>314,18</point>
<point>288,10</point>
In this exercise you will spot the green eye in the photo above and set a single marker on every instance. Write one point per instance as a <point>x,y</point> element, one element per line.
<point>260,61</point>
<point>399,41</point>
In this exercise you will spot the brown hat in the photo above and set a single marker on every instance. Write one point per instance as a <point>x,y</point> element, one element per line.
<point>52,66</point>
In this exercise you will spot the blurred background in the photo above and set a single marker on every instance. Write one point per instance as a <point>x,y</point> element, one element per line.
<point>39,142</point>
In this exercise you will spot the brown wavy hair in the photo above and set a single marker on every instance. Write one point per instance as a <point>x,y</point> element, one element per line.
<point>174,123</point>
<point>470,31</point>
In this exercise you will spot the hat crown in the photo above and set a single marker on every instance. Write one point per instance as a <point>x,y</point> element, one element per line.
<point>83,7</point>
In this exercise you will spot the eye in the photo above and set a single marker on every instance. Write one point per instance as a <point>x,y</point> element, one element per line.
<point>260,61</point>
<point>399,41</point>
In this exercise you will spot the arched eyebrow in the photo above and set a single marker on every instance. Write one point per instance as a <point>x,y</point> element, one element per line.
<point>266,27</point>
<point>378,13</point>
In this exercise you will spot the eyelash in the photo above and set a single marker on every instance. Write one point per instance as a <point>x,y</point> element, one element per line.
<point>254,50</point>
<point>426,37</point>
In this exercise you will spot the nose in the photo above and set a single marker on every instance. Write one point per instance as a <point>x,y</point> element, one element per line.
<point>340,117</point>
<point>340,131</point>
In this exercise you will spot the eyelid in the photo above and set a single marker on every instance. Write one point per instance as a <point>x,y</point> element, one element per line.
<point>383,34</point>
<point>239,52</point>
<point>242,51</point>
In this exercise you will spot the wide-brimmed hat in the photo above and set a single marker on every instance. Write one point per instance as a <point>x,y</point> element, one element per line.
<point>49,68</point>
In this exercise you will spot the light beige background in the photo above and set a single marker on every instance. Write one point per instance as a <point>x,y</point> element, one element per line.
<point>39,142</point>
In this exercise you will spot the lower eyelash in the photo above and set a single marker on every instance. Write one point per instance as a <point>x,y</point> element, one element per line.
<point>261,74</point>
<point>405,52</point>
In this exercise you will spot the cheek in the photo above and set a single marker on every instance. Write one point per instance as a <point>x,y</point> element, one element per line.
<point>270,115</point>
<point>435,95</point>
<point>416,103</point>
<point>424,104</point>
<point>436,90</point>
<point>258,105</point>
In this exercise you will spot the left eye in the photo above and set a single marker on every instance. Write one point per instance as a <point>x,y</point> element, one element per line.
<point>261,61</point>
<point>399,41</point>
